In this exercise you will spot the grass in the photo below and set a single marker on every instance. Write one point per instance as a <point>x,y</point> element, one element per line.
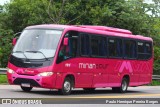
<point>3,79</point>
<point>155,83</point>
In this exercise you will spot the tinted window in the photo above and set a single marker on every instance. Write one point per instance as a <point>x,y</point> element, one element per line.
<point>70,50</point>
<point>115,47</point>
<point>85,44</point>
<point>102,46</point>
<point>130,49</point>
<point>98,46</point>
<point>144,50</point>
<point>95,46</point>
<point>72,47</point>
<point>140,50</point>
<point>148,50</point>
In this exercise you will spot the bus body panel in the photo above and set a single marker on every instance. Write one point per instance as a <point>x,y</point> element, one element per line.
<point>90,72</point>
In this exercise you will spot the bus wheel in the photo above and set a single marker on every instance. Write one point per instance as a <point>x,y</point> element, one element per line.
<point>26,89</point>
<point>123,88</point>
<point>89,89</point>
<point>67,87</point>
<point>124,85</point>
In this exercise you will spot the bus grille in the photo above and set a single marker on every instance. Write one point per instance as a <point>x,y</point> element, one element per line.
<point>19,81</point>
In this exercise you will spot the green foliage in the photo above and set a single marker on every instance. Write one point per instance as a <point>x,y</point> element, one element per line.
<point>155,83</point>
<point>3,79</point>
<point>5,46</point>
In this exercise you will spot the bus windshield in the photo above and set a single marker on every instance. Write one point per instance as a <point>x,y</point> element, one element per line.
<point>37,43</point>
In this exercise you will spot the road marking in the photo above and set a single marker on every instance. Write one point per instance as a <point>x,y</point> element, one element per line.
<point>122,96</point>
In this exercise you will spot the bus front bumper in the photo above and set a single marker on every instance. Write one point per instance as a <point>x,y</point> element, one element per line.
<point>32,81</point>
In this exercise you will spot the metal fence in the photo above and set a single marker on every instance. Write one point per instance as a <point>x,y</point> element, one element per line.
<point>4,70</point>
<point>155,77</point>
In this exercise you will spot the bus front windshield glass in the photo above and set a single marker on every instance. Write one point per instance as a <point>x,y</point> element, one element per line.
<point>37,44</point>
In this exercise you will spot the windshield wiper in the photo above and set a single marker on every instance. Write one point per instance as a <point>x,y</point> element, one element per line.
<point>38,52</point>
<point>20,52</point>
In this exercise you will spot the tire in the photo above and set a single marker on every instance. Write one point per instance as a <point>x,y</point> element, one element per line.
<point>123,88</point>
<point>67,87</point>
<point>89,89</point>
<point>26,89</point>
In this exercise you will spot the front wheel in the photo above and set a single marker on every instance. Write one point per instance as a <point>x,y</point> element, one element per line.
<point>26,89</point>
<point>67,87</point>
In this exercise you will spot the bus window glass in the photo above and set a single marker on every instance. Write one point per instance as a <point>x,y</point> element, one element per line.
<point>140,50</point>
<point>115,47</point>
<point>85,44</point>
<point>130,49</point>
<point>70,50</point>
<point>102,46</point>
<point>148,50</point>
<point>95,46</point>
<point>72,47</point>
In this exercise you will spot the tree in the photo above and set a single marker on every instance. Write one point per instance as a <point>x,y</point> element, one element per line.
<point>128,14</point>
<point>5,46</point>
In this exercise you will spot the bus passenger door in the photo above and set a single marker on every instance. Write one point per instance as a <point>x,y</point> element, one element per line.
<point>84,75</point>
<point>98,54</point>
<point>69,56</point>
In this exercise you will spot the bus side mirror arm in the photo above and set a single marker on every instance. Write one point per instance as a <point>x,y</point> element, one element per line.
<point>65,42</point>
<point>14,40</point>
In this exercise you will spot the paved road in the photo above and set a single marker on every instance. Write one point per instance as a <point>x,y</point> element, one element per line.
<point>8,91</point>
<point>12,91</point>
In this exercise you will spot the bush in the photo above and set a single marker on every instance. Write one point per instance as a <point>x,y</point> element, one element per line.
<point>5,46</point>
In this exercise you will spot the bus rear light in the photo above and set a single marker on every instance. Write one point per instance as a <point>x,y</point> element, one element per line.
<point>44,74</point>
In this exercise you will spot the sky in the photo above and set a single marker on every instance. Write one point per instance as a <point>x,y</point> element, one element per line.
<point>4,1</point>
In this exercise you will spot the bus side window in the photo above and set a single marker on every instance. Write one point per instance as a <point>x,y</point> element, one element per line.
<point>102,47</point>
<point>95,45</point>
<point>144,50</point>
<point>72,47</point>
<point>130,49</point>
<point>85,48</point>
<point>70,50</point>
<point>115,47</point>
<point>140,50</point>
<point>148,50</point>
<point>98,46</point>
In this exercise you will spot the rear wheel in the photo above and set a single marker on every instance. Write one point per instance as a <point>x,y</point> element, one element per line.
<point>26,89</point>
<point>124,85</point>
<point>67,87</point>
<point>123,88</point>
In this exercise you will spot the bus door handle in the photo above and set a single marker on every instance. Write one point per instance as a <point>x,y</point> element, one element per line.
<point>78,73</point>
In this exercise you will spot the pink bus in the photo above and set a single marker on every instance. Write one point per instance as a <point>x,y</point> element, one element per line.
<point>64,57</point>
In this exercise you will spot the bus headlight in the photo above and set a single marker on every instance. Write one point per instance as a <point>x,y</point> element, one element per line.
<point>44,74</point>
<point>10,71</point>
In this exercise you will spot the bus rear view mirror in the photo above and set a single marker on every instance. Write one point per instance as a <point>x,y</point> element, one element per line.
<point>65,42</point>
<point>14,40</point>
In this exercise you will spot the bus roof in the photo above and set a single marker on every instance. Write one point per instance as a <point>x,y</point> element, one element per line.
<point>104,30</point>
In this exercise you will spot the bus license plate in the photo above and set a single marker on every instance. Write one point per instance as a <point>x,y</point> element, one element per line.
<point>25,85</point>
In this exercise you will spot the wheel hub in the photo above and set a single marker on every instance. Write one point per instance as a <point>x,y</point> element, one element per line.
<point>67,86</point>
